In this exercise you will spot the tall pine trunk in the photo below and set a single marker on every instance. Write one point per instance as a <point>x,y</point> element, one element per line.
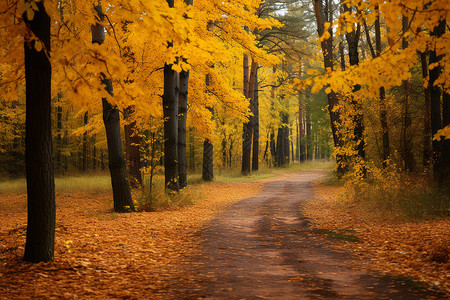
<point>182,118</point>
<point>327,50</point>
<point>247,131</point>
<point>385,153</point>
<point>170,113</point>
<point>352,38</point>
<point>208,150</point>
<point>407,146</point>
<point>40,237</point>
<point>111,119</point>
<point>255,150</point>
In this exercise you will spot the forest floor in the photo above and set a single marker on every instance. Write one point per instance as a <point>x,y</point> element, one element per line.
<point>100,254</point>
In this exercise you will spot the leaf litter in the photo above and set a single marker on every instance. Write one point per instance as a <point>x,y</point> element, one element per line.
<point>414,252</point>
<point>100,254</point>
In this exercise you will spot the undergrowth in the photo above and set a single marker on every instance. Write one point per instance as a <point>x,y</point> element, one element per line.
<point>158,199</point>
<point>396,194</point>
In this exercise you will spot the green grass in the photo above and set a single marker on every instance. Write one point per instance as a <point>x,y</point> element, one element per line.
<point>99,183</point>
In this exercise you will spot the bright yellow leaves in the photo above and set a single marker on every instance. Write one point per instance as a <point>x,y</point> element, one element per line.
<point>29,7</point>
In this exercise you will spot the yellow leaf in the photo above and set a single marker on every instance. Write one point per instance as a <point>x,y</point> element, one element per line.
<point>38,46</point>
<point>30,14</point>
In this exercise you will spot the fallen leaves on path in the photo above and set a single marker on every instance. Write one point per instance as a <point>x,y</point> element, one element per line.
<point>416,250</point>
<point>100,254</point>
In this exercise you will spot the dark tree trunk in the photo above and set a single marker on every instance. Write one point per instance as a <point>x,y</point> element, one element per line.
<point>255,155</point>
<point>224,152</point>
<point>427,151</point>
<point>208,149</point>
<point>407,146</point>
<point>309,143</point>
<point>327,50</point>
<point>85,144</point>
<point>358,118</point>
<point>59,136</point>
<point>247,130</point>
<point>170,113</point>
<point>111,119</point>
<point>117,166</point>
<point>132,147</point>
<point>40,237</point>
<point>182,117</point>
<point>170,110</point>
<point>282,152</point>
<point>435,94</point>
<point>301,124</point>
<point>208,163</point>
<point>383,113</point>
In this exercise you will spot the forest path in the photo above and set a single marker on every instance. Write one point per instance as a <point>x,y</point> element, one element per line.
<point>263,248</point>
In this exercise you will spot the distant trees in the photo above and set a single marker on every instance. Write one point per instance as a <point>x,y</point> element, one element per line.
<point>403,107</point>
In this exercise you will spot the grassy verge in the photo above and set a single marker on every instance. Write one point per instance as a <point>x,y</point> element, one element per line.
<point>89,183</point>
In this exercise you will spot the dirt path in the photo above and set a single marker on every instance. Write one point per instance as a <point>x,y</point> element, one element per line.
<point>262,248</point>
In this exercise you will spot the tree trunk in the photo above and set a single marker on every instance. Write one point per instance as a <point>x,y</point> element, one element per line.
<point>309,143</point>
<point>247,130</point>
<point>435,94</point>
<point>208,163</point>
<point>111,119</point>
<point>255,155</point>
<point>301,124</point>
<point>85,144</point>
<point>132,146</point>
<point>327,50</point>
<point>40,238</point>
<point>208,149</point>
<point>170,110</point>
<point>407,146</point>
<point>383,113</point>
<point>182,118</point>
<point>427,151</point>
<point>358,118</point>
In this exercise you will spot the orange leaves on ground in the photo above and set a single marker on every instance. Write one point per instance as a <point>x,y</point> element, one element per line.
<point>419,250</point>
<point>100,254</point>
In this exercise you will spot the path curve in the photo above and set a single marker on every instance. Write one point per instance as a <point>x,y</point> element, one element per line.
<point>261,248</point>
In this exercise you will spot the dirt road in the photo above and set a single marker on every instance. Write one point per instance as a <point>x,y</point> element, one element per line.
<point>263,248</point>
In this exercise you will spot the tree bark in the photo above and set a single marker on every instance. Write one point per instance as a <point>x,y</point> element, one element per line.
<point>327,50</point>
<point>170,110</point>
<point>111,119</point>
<point>247,131</point>
<point>85,144</point>
<point>132,146</point>
<point>182,118</point>
<point>383,113</point>
<point>358,118</point>
<point>208,162</point>
<point>309,141</point>
<point>407,146</point>
<point>255,150</point>
<point>40,238</point>
<point>208,150</point>
<point>427,151</point>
